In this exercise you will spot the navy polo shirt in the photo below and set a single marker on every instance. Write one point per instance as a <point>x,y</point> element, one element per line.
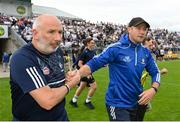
<point>30,70</point>
<point>87,55</point>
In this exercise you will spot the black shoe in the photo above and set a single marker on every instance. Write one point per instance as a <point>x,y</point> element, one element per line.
<point>73,104</point>
<point>89,105</point>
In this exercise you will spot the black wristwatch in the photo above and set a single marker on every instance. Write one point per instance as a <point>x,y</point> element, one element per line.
<point>155,89</point>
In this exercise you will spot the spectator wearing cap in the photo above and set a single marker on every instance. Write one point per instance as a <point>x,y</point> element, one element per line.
<point>125,98</point>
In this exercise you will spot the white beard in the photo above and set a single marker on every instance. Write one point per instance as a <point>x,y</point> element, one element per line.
<point>45,47</point>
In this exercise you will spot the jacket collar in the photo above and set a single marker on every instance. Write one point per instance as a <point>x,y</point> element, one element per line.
<point>126,41</point>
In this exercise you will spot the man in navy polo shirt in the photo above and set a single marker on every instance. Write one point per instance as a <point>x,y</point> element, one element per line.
<point>37,76</point>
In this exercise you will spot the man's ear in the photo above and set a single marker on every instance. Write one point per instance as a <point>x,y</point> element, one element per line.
<point>129,29</point>
<point>35,34</point>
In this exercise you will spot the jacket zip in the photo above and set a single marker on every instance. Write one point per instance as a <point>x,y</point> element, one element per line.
<point>135,56</point>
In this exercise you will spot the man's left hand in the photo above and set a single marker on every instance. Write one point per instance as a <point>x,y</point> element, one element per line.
<point>146,96</point>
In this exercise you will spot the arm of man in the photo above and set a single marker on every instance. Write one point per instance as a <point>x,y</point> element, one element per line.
<point>30,79</point>
<point>85,70</point>
<point>80,65</point>
<point>153,70</point>
<point>48,97</point>
<point>148,94</point>
<point>107,56</point>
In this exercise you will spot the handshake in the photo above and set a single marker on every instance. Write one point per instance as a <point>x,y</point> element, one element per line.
<point>73,78</point>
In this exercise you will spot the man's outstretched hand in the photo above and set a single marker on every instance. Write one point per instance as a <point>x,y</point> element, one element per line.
<point>73,78</point>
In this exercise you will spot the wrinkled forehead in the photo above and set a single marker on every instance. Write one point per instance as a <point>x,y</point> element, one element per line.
<point>47,21</point>
<point>51,22</point>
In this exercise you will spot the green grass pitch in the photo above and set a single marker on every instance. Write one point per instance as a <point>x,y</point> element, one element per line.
<point>165,105</point>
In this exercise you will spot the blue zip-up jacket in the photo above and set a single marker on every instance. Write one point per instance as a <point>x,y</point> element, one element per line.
<point>127,61</point>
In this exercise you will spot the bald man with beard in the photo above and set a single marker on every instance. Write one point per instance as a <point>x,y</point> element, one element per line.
<point>37,76</point>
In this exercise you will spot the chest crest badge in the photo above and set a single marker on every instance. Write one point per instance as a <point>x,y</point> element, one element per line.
<point>142,61</point>
<point>127,59</point>
<point>46,71</point>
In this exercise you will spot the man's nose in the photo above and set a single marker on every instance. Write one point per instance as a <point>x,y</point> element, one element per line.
<point>142,31</point>
<point>58,36</point>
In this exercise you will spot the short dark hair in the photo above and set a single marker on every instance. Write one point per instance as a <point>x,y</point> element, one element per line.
<point>146,39</point>
<point>87,40</point>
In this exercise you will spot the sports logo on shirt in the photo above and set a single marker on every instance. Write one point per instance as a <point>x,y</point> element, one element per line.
<point>46,71</point>
<point>142,61</point>
<point>127,59</point>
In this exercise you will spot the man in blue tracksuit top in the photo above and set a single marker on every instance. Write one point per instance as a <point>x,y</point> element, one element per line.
<point>127,59</point>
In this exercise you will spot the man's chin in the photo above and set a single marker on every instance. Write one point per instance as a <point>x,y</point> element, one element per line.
<point>53,50</point>
<point>56,48</point>
<point>49,51</point>
<point>140,40</point>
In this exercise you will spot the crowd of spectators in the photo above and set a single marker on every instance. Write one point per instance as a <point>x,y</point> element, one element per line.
<point>103,33</point>
<point>22,25</point>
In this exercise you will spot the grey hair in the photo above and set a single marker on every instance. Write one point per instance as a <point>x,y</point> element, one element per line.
<point>38,20</point>
<point>36,23</point>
